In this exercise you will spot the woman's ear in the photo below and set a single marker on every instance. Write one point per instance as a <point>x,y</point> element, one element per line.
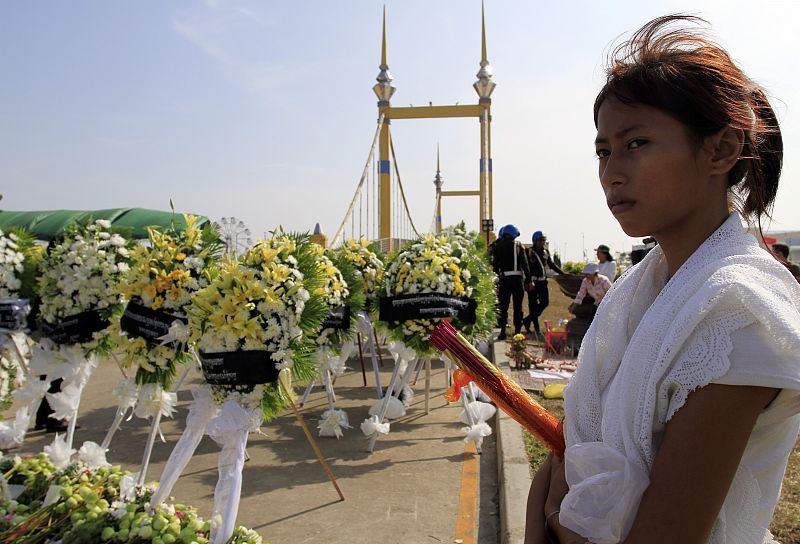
<point>727,149</point>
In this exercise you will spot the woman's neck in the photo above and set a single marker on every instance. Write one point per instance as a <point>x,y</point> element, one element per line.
<point>679,243</point>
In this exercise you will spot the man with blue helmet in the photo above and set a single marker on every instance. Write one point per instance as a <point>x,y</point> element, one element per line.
<point>511,266</point>
<point>538,295</point>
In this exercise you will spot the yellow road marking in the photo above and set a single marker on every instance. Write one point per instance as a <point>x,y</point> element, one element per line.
<point>467,516</point>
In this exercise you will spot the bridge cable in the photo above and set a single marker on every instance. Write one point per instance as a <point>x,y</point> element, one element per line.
<point>364,175</point>
<point>400,185</point>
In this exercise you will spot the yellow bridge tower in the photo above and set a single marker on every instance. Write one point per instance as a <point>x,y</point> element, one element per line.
<point>482,110</point>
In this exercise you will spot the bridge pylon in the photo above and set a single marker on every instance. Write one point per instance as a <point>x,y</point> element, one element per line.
<point>384,90</point>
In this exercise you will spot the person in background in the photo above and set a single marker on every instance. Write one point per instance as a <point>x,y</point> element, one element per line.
<point>594,285</point>
<point>511,266</point>
<point>783,251</point>
<point>606,264</point>
<point>538,296</point>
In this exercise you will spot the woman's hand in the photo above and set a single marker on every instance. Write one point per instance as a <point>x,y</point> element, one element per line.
<point>558,489</point>
<point>535,531</point>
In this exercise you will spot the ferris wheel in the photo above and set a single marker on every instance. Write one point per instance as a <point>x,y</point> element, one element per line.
<point>235,235</point>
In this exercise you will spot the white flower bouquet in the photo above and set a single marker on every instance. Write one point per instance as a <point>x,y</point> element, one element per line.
<point>79,285</point>
<point>257,317</point>
<point>164,276</point>
<point>19,257</point>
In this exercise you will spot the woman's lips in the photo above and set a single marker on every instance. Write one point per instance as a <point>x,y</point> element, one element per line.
<point>620,207</point>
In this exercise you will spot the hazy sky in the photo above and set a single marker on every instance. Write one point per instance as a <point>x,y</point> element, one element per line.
<point>264,110</point>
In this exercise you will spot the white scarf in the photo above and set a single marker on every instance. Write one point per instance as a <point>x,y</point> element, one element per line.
<point>646,350</point>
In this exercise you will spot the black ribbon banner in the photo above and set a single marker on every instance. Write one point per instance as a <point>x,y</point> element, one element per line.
<point>427,306</point>
<point>14,313</point>
<point>338,318</point>
<point>76,328</point>
<point>239,367</point>
<point>143,322</point>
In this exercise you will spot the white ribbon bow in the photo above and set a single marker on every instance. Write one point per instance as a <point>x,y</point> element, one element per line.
<point>126,393</point>
<point>332,423</point>
<point>153,399</point>
<point>33,390</point>
<point>476,433</point>
<point>364,325</point>
<point>65,403</point>
<point>178,332</point>
<point>402,355</point>
<point>93,455</point>
<point>371,426</point>
<point>59,452</point>
<point>13,433</point>
<point>474,416</point>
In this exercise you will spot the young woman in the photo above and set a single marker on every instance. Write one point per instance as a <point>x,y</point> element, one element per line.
<point>685,406</point>
<point>605,262</point>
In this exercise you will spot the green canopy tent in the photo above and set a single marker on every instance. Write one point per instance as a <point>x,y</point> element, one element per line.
<point>46,225</point>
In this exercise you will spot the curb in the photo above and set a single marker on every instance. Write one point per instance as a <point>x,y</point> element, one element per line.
<point>513,470</point>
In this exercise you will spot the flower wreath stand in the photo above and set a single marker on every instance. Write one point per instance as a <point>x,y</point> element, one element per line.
<point>153,331</point>
<point>364,329</point>
<point>366,259</point>
<point>342,293</point>
<point>79,290</point>
<point>431,280</point>
<point>390,406</point>
<point>254,327</point>
<point>416,312</point>
<point>229,426</point>
<point>159,340</point>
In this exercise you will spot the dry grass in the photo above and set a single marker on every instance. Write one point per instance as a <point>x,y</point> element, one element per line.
<point>785,522</point>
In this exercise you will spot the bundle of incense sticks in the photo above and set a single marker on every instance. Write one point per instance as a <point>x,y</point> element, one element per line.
<point>505,392</point>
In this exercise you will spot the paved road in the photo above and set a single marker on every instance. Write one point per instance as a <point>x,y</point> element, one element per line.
<point>421,484</point>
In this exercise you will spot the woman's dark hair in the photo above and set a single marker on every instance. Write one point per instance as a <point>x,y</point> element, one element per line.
<point>688,76</point>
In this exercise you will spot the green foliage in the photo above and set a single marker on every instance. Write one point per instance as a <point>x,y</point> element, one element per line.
<point>571,267</point>
<point>355,299</point>
<point>34,253</point>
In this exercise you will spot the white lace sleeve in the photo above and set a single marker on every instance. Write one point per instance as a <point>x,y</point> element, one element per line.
<point>756,359</point>
<point>703,359</point>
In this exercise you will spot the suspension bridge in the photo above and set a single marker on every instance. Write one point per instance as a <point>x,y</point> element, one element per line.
<point>379,209</point>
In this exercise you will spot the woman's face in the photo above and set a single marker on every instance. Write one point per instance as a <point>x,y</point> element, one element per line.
<point>601,256</point>
<point>655,178</point>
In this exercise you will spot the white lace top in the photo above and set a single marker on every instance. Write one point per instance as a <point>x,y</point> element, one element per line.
<point>729,315</point>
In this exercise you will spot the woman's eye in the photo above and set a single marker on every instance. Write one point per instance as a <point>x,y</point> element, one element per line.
<point>636,143</point>
<point>602,153</point>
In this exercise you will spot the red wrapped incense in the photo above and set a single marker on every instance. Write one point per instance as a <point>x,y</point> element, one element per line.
<point>505,393</point>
